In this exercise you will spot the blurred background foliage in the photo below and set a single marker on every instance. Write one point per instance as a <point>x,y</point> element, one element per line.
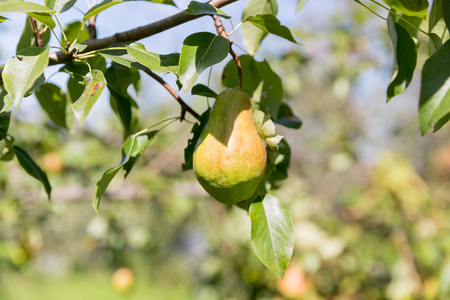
<point>368,196</point>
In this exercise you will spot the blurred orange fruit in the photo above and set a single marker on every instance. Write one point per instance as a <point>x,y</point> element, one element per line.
<point>52,163</point>
<point>294,284</point>
<point>122,279</point>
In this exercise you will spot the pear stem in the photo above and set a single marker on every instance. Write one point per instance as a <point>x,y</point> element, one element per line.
<point>221,32</point>
<point>184,107</point>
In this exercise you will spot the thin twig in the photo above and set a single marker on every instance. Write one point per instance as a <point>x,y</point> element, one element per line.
<point>184,107</point>
<point>221,31</point>
<point>92,28</point>
<point>37,33</point>
<point>371,10</point>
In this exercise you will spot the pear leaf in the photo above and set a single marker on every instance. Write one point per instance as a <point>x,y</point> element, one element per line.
<point>200,51</point>
<point>199,8</point>
<point>434,101</point>
<point>270,24</point>
<point>416,8</point>
<point>32,168</point>
<point>21,72</point>
<point>272,233</point>
<point>405,59</point>
<point>95,83</point>
<point>5,118</point>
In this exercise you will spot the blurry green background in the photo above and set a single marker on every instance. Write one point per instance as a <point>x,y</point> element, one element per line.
<point>368,195</point>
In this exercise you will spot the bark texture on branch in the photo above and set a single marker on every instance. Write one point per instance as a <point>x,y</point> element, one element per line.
<point>221,31</point>
<point>92,28</point>
<point>37,33</point>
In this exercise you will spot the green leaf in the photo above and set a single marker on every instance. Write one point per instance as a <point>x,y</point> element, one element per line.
<point>155,62</point>
<point>445,8</point>
<point>76,70</point>
<point>278,167</point>
<point>442,121</point>
<point>37,83</point>
<point>287,118</point>
<point>259,81</point>
<point>95,83</point>
<point>437,28</point>
<point>6,101</point>
<point>251,34</point>
<point>30,166</point>
<point>6,149</point>
<point>60,5</point>
<point>416,8</point>
<point>5,118</point>
<point>18,6</point>
<point>22,71</point>
<point>119,78</point>
<point>53,101</point>
<point>272,233</point>
<point>132,149</point>
<point>203,90</point>
<point>123,58</point>
<point>28,38</point>
<point>75,31</point>
<point>44,18</point>
<point>189,150</point>
<point>270,24</point>
<point>97,62</point>
<point>3,19</point>
<point>98,8</point>
<point>77,47</point>
<point>300,4</point>
<point>168,2</point>
<point>200,51</point>
<point>143,140</point>
<point>410,23</point>
<point>128,148</point>
<point>434,101</point>
<point>405,59</point>
<point>126,109</point>
<point>198,8</point>
<point>74,90</point>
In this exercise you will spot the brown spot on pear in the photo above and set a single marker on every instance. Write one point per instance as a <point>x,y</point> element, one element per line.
<point>230,158</point>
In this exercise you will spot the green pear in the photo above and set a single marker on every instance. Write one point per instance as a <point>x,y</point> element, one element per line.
<point>230,158</point>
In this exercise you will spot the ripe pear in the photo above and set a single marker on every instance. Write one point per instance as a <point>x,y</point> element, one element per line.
<point>229,157</point>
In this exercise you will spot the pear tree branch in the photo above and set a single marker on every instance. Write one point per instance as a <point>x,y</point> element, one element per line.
<point>184,107</point>
<point>37,33</point>
<point>92,28</point>
<point>221,31</point>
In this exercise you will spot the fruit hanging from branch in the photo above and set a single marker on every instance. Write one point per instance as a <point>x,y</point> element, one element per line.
<point>230,158</point>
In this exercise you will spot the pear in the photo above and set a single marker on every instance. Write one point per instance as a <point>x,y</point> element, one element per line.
<point>229,157</point>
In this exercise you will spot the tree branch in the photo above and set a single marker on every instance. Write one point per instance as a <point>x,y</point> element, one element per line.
<point>184,107</point>
<point>37,33</point>
<point>133,34</point>
<point>221,31</point>
<point>92,29</point>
